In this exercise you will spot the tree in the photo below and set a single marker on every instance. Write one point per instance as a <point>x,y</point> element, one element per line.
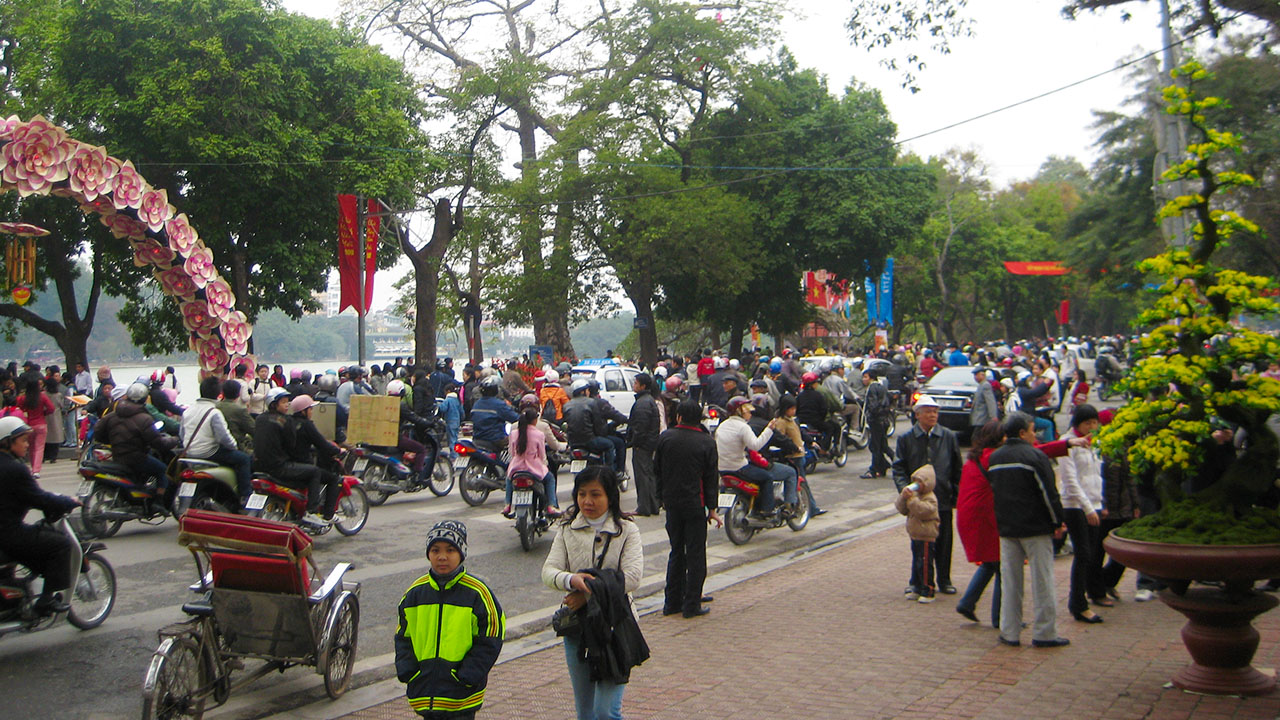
<point>251,118</point>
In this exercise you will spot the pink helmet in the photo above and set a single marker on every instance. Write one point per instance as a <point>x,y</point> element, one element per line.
<point>674,383</point>
<point>300,403</point>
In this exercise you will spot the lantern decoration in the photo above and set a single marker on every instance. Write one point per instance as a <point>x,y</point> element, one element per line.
<point>20,257</point>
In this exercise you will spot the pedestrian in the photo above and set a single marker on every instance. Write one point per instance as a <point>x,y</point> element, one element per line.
<point>985,408</point>
<point>920,505</point>
<point>1028,516</point>
<point>878,414</point>
<point>57,428</point>
<point>685,463</point>
<point>594,542</point>
<point>976,522</point>
<point>451,413</point>
<point>1080,390</point>
<point>643,427</point>
<point>36,405</point>
<point>450,631</point>
<point>1080,477</point>
<point>928,443</point>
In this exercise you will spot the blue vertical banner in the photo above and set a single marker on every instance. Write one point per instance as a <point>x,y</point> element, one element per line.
<point>871,301</point>
<point>885,314</point>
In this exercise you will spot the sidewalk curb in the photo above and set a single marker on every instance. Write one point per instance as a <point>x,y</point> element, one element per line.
<point>530,632</point>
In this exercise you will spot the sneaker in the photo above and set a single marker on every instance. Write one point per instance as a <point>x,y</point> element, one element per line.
<point>912,596</point>
<point>1143,595</point>
<point>314,519</point>
<point>924,599</point>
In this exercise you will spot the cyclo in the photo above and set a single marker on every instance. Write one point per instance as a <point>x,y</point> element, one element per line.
<point>261,598</point>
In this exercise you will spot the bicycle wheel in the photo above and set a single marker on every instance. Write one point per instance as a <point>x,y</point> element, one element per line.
<point>170,689</point>
<point>341,633</point>
<point>95,593</point>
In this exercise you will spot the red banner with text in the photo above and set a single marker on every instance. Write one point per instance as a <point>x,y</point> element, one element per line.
<point>348,261</point>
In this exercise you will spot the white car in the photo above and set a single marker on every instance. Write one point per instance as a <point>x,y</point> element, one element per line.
<point>615,383</point>
<point>1084,359</point>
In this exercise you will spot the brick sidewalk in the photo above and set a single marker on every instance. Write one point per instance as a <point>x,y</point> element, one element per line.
<point>831,637</point>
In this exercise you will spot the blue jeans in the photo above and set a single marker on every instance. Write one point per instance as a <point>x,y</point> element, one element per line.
<point>764,479</point>
<point>153,467</point>
<point>608,451</point>
<point>981,577</point>
<point>594,700</point>
<point>619,454</point>
<point>548,484</point>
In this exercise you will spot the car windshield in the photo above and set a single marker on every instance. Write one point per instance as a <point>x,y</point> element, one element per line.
<point>954,376</point>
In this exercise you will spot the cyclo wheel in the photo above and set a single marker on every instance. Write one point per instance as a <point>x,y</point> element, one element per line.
<point>736,526</point>
<point>441,481</point>
<point>473,491</point>
<point>94,595</point>
<point>801,518</point>
<point>376,473</point>
<point>99,500</point>
<point>173,679</point>
<point>352,512</point>
<point>341,634</point>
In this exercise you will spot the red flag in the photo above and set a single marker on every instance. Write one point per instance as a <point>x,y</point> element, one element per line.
<point>348,261</point>
<point>816,290</point>
<point>1064,313</point>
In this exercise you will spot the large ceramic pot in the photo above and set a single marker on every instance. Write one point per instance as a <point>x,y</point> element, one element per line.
<point>1219,633</point>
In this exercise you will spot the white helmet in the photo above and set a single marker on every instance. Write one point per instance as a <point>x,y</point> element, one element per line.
<point>274,395</point>
<point>551,376</point>
<point>395,387</point>
<point>720,363</point>
<point>734,364</point>
<point>578,386</point>
<point>137,392</point>
<point>12,427</point>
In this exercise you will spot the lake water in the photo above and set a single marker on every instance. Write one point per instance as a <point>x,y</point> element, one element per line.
<point>189,375</point>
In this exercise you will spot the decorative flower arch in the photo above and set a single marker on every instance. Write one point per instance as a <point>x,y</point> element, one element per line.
<point>39,158</point>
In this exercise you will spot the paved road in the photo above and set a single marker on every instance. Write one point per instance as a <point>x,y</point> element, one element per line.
<point>105,666</point>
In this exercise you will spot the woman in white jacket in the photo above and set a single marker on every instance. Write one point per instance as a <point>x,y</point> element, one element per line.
<point>1080,480</point>
<point>594,534</point>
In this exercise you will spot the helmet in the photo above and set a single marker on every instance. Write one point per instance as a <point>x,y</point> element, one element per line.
<point>395,387</point>
<point>734,364</point>
<point>831,365</point>
<point>441,363</point>
<point>12,427</point>
<point>563,367</point>
<point>1023,376</point>
<point>295,374</point>
<point>529,400</point>
<point>968,348</point>
<point>775,365</point>
<point>158,376</point>
<point>809,378</point>
<point>137,392</point>
<point>759,382</point>
<point>719,363</point>
<point>736,402</point>
<point>674,383</point>
<point>328,383</point>
<point>927,352</point>
<point>1106,350</point>
<point>300,403</point>
<point>551,376</point>
<point>491,382</point>
<point>593,386</point>
<point>274,395</point>
<point>578,387</point>
<point>660,371</point>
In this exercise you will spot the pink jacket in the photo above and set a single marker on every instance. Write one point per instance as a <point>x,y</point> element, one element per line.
<point>534,459</point>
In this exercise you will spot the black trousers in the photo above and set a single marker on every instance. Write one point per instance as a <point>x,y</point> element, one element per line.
<point>943,543</point>
<point>1086,571</point>
<point>687,563</point>
<point>878,444</point>
<point>42,549</point>
<point>646,483</point>
<point>312,479</point>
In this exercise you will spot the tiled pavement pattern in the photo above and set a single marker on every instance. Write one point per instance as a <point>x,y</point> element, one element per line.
<point>830,636</point>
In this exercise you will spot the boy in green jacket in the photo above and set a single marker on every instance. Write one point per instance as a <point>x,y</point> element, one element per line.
<point>444,662</point>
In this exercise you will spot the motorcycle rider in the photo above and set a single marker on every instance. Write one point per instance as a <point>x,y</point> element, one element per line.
<point>327,388</point>
<point>41,548</point>
<point>421,425</point>
<point>312,448</point>
<point>835,382</point>
<point>130,431</point>
<point>204,435</point>
<point>610,413</point>
<point>584,425</point>
<point>275,441</point>
<point>714,390</point>
<point>443,374</point>
<point>734,438</point>
<point>760,388</point>
<point>552,392</point>
<point>812,410</point>
<point>528,450</point>
<point>1106,366</point>
<point>490,415</point>
<point>239,422</point>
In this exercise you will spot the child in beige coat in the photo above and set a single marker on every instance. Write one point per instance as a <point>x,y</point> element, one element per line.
<point>920,505</point>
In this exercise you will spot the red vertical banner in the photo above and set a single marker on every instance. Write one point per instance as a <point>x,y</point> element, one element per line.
<point>348,261</point>
<point>372,224</point>
<point>1064,313</point>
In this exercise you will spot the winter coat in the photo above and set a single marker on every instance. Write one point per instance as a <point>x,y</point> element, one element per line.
<point>1080,477</point>
<point>556,395</point>
<point>610,641</point>
<point>733,438</point>
<point>914,450</point>
<point>130,434</point>
<point>489,418</point>
<point>985,408</point>
<point>643,425</point>
<point>577,547</point>
<point>583,421</point>
<point>976,512</point>
<point>57,428</point>
<point>921,506</point>
<point>534,459</point>
<point>274,441</point>
<point>239,423</point>
<point>1026,496</point>
<point>684,464</point>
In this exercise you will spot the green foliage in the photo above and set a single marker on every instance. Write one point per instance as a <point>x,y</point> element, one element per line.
<point>1192,523</point>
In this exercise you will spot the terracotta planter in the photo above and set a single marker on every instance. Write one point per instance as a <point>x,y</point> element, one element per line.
<point>1219,633</point>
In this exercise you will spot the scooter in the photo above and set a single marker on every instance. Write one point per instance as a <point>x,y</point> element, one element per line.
<point>737,501</point>
<point>580,458</point>
<point>838,452</point>
<point>274,501</point>
<point>111,494</point>
<point>485,472</point>
<point>206,485</point>
<point>387,473</point>
<point>529,505</point>
<point>93,589</point>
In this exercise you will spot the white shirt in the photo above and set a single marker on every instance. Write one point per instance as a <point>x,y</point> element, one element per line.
<point>733,438</point>
<point>213,433</point>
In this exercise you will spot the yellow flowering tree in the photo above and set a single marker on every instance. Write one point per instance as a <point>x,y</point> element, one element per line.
<point>1199,367</point>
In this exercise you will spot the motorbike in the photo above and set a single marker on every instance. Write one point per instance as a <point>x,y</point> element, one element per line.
<point>92,595</point>
<point>529,505</point>
<point>486,471</point>
<point>275,501</point>
<point>385,472</point>
<point>737,502</point>
<point>111,494</point>
<point>838,451</point>
<point>206,485</point>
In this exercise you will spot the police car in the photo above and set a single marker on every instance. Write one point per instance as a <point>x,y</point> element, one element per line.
<point>615,381</point>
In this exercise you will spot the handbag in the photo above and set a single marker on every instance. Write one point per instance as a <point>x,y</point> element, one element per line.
<point>568,622</point>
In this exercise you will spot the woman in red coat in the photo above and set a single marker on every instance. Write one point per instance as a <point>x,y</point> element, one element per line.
<point>976,522</point>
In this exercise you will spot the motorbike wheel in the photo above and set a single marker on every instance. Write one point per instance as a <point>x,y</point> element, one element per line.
<point>810,463</point>
<point>524,526</point>
<point>94,595</point>
<point>736,526</point>
<point>859,441</point>
<point>95,526</point>
<point>799,520</point>
<point>441,481</point>
<point>893,424</point>
<point>373,475</point>
<point>275,509</point>
<point>206,502</point>
<point>1104,392</point>
<point>842,452</point>
<point>340,641</point>
<point>353,512</point>
<point>474,493</point>
<point>172,681</point>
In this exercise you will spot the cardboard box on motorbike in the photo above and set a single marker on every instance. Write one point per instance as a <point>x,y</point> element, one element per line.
<point>374,420</point>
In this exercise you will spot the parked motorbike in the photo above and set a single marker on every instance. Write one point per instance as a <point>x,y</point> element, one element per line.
<point>385,472</point>
<point>274,501</point>
<point>485,472</point>
<point>206,485</point>
<point>737,503</point>
<point>92,593</point>
<point>529,505</point>
<point>111,494</point>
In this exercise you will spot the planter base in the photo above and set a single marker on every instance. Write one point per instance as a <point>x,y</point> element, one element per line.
<point>1220,637</point>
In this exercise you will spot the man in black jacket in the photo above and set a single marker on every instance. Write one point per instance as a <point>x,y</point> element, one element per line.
<point>878,412</point>
<point>928,443</point>
<point>642,429</point>
<point>1028,516</point>
<point>131,432</point>
<point>275,443</point>
<point>685,460</point>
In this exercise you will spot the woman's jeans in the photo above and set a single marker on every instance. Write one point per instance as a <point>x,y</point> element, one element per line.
<point>981,577</point>
<point>548,484</point>
<point>594,700</point>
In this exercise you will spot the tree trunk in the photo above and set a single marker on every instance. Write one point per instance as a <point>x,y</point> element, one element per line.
<point>475,338</point>
<point>736,329</point>
<point>72,334</point>
<point>240,282</point>
<point>426,263</point>
<point>641,297</point>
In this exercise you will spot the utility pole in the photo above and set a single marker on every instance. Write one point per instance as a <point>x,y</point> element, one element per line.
<point>1171,143</point>
<point>361,250</point>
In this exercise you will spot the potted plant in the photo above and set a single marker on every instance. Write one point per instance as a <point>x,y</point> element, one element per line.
<point>1196,386</point>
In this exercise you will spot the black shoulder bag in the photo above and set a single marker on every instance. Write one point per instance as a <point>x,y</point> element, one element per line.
<point>567,622</point>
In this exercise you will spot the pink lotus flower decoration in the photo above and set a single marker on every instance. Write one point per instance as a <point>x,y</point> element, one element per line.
<point>155,209</point>
<point>8,124</point>
<point>123,226</point>
<point>212,355</point>
<point>199,266</point>
<point>176,283</point>
<point>35,157</point>
<point>150,252</point>
<point>220,298</point>
<point>196,317</point>
<point>128,187</point>
<point>101,206</point>
<point>91,171</point>
<point>182,237</point>
<point>22,229</point>
<point>236,332</point>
